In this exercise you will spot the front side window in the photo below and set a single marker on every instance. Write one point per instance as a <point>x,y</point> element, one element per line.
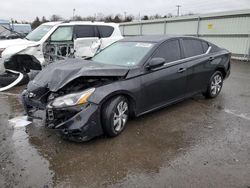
<point>62,34</point>
<point>39,33</point>
<point>170,51</point>
<point>192,47</point>
<point>123,53</point>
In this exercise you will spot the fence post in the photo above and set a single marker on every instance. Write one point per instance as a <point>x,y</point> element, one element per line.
<point>123,30</point>
<point>198,26</point>
<point>140,28</point>
<point>165,25</point>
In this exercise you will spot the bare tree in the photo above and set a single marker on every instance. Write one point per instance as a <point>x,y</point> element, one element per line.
<point>129,18</point>
<point>145,17</point>
<point>55,18</point>
<point>36,23</point>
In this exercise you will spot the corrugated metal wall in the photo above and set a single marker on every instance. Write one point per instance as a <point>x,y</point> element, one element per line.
<point>230,30</point>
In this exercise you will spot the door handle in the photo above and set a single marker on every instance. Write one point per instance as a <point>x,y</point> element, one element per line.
<point>210,58</point>
<point>181,70</point>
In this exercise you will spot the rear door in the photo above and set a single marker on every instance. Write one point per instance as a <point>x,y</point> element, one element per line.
<point>105,33</point>
<point>86,41</point>
<point>198,64</point>
<point>167,83</point>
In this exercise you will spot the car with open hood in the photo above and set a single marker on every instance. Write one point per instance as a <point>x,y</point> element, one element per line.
<point>87,98</point>
<point>51,42</point>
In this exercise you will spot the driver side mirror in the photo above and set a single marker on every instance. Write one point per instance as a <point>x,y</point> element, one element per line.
<point>156,62</point>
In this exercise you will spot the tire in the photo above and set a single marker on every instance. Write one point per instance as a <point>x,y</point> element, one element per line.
<point>8,78</point>
<point>215,85</point>
<point>115,115</point>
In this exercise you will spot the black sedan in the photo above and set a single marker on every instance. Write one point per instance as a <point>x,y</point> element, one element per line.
<point>134,76</point>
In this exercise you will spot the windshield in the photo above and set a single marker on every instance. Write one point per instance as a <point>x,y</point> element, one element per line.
<point>4,31</point>
<point>123,53</point>
<point>39,33</point>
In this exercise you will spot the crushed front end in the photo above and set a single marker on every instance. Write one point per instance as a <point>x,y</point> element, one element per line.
<point>63,91</point>
<point>77,122</point>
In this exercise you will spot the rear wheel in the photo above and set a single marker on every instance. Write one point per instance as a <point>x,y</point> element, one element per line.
<point>215,85</point>
<point>115,115</point>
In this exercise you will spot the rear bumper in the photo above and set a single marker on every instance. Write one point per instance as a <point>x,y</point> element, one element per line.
<point>228,74</point>
<point>228,71</point>
<point>79,123</point>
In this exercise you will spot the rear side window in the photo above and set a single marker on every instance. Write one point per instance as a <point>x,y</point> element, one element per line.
<point>192,47</point>
<point>85,31</point>
<point>170,51</point>
<point>105,31</point>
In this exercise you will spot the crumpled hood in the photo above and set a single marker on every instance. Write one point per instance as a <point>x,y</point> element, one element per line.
<point>57,75</point>
<point>15,46</point>
<point>15,42</point>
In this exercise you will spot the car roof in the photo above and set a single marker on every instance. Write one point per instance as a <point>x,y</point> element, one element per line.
<point>153,38</point>
<point>81,23</point>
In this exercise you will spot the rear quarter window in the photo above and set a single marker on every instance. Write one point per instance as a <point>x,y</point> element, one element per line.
<point>205,46</point>
<point>105,31</point>
<point>192,47</point>
<point>214,48</point>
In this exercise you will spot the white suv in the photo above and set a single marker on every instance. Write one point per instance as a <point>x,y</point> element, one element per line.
<point>50,42</point>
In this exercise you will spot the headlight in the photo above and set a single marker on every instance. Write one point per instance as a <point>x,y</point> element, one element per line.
<point>72,99</point>
<point>1,51</point>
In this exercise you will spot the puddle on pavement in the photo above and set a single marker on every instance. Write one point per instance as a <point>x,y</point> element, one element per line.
<point>30,167</point>
<point>103,161</point>
<point>35,166</point>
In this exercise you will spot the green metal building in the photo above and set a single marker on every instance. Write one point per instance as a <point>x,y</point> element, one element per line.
<point>230,30</point>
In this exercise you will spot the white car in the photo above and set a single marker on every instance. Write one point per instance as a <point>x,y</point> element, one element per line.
<point>50,42</point>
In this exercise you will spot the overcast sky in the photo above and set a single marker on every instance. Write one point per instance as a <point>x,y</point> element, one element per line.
<point>29,9</point>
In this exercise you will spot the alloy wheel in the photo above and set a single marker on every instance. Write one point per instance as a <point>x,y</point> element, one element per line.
<point>120,116</point>
<point>216,84</point>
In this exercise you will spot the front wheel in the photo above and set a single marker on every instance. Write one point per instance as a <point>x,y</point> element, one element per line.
<point>215,85</point>
<point>115,115</point>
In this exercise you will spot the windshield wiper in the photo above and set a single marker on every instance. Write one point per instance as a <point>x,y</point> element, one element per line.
<point>12,31</point>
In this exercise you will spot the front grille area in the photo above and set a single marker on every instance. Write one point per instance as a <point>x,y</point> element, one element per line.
<point>55,117</point>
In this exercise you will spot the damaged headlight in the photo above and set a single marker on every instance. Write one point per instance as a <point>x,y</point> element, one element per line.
<point>1,51</point>
<point>72,99</point>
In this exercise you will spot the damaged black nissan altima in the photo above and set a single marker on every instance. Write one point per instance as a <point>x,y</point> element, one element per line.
<point>134,76</point>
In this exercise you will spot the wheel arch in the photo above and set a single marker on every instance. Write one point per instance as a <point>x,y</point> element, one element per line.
<point>23,63</point>
<point>128,95</point>
<point>222,70</point>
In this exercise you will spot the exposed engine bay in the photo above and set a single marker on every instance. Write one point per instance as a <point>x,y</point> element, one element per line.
<point>55,51</point>
<point>44,95</point>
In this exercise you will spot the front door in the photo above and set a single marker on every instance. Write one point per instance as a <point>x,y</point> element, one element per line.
<point>167,83</point>
<point>59,45</point>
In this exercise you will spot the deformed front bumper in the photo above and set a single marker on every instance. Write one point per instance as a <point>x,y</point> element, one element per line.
<point>78,123</point>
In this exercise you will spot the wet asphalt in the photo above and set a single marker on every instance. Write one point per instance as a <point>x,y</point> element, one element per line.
<point>196,143</point>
